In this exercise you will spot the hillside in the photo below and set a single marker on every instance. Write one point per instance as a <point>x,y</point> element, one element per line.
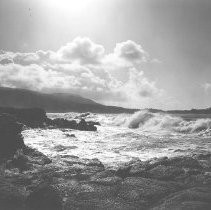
<point>55,102</point>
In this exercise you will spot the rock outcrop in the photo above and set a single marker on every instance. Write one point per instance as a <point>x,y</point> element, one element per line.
<point>37,118</point>
<point>44,197</point>
<point>72,124</point>
<point>29,180</point>
<point>34,117</point>
<point>10,136</point>
<point>11,197</point>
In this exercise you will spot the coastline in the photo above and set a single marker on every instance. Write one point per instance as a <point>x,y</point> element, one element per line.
<point>30,180</point>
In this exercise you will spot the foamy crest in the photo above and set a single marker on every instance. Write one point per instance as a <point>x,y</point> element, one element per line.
<point>154,122</point>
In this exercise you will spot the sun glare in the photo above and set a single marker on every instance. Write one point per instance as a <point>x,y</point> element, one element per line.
<point>75,7</point>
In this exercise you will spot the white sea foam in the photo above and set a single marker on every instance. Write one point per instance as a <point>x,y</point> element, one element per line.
<point>122,137</point>
<point>157,122</point>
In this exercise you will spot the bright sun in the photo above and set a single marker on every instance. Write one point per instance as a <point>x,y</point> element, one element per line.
<point>73,6</point>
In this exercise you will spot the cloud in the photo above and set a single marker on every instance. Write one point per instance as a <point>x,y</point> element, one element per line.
<point>140,91</point>
<point>130,51</point>
<point>6,61</point>
<point>83,68</point>
<point>206,86</point>
<point>83,50</point>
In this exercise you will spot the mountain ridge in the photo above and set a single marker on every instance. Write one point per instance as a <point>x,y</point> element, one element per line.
<point>68,102</point>
<point>54,102</point>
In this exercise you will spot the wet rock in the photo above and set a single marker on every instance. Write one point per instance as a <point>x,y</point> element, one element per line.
<point>83,115</point>
<point>44,197</point>
<point>138,170</point>
<point>11,197</point>
<point>165,172</point>
<point>85,126</point>
<point>36,157</point>
<point>104,174</point>
<point>93,123</point>
<point>92,197</point>
<point>63,123</point>
<point>19,161</point>
<point>123,171</point>
<point>194,198</point>
<point>156,161</point>
<point>34,117</point>
<point>70,135</point>
<point>94,162</point>
<point>20,179</point>
<point>144,192</point>
<point>60,148</point>
<point>10,136</point>
<point>72,124</point>
<point>194,180</point>
<point>205,156</point>
<point>107,180</point>
<point>183,161</point>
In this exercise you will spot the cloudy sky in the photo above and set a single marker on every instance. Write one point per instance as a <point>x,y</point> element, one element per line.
<point>131,53</point>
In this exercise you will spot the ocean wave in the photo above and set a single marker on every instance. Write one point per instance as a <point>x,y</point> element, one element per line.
<point>154,122</point>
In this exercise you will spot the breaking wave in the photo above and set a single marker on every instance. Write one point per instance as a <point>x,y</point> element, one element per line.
<point>154,122</point>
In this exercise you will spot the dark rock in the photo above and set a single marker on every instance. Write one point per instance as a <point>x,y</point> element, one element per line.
<point>44,197</point>
<point>10,136</point>
<point>34,117</point>
<point>123,171</point>
<point>70,135</point>
<point>93,197</point>
<point>11,197</point>
<point>103,174</point>
<point>107,180</point>
<point>183,161</point>
<point>19,161</point>
<point>35,157</point>
<point>63,123</point>
<point>194,180</point>
<point>155,162</point>
<point>94,162</point>
<point>144,192</point>
<point>93,123</point>
<point>165,172</point>
<point>84,126</point>
<point>194,198</point>
<point>82,115</point>
<point>138,170</point>
<point>205,156</point>
<point>72,124</point>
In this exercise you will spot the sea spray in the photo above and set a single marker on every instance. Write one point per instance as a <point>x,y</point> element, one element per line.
<point>150,135</point>
<point>163,122</point>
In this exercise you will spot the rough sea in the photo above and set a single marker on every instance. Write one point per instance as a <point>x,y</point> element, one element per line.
<point>123,137</point>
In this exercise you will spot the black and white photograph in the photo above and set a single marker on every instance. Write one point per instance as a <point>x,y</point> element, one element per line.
<point>105,104</point>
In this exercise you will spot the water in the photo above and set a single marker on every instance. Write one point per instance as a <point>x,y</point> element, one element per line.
<point>122,137</point>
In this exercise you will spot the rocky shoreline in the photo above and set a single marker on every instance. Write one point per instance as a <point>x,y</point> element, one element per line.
<point>37,118</point>
<point>29,180</point>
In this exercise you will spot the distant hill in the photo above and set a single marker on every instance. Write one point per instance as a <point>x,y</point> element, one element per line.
<point>56,102</point>
<point>65,102</point>
<point>191,111</point>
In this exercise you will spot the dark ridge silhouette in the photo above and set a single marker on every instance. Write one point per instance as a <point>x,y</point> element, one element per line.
<point>191,111</point>
<point>65,102</point>
<point>55,102</point>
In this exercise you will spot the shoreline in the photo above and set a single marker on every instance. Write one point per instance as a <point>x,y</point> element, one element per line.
<point>82,183</point>
<point>29,180</point>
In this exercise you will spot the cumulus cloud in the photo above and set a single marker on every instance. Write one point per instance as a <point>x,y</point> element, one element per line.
<point>83,50</point>
<point>130,51</point>
<point>206,86</point>
<point>6,61</point>
<point>82,67</point>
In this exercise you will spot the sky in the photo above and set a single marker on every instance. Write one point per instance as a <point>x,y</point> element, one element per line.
<point>130,53</point>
